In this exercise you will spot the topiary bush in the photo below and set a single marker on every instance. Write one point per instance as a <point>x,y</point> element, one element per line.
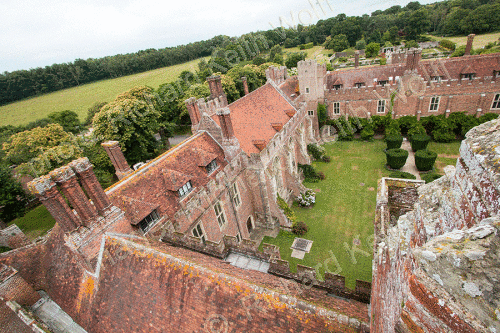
<point>299,228</point>
<point>402,174</point>
<point>396,158</point>
<point>430,177</point>
<point>393,141</point>
<point>419,141</point>
<point>416,129</point>
<point>309,172</point>
<point>425,159</point>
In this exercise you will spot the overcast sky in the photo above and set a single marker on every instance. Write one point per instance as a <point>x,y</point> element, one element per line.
<point>40,33</point>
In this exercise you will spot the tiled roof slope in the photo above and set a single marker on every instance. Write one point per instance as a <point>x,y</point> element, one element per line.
<point>253,114</point>
<point>289,87</point>
<point>153,185</point>
<point>168,289</point>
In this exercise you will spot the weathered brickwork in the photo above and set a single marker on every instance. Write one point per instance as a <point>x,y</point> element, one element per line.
<point>435,267</point>
<point>13,237</point>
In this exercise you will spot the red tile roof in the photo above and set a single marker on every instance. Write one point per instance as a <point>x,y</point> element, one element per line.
<point>253,114</point>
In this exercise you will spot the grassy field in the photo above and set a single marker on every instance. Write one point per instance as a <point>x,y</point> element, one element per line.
<point>35,223</point>
<point>447,154</point>
<point>343,213</point>
<point>79,99</point>
<point>479,40</point>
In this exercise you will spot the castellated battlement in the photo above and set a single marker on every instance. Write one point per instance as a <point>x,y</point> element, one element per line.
<point>306,276</point>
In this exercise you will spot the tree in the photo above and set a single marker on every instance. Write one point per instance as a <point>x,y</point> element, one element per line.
<point>360,44</point>
<point>68,120</point>
<point>133,120</point>
<point>338,43</point>
<point>294,58</point>
<point>411,43</point>
<point>12,196</point>
<point>372,50</point>
<point>418,23</point>
<point>92,111</point>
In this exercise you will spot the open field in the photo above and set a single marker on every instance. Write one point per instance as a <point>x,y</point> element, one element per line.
<point>35,223</point>
<point>479,40</point>
<point>79,99</point>
<point>343,213</point>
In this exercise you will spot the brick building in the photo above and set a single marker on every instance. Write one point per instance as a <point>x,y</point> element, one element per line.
<point>150,253</point>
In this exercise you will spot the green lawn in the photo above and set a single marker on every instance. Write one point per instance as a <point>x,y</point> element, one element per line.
<point>35,223</point>
<point>479,40</point>
<point>344,211</point>
<point>447,154</point>
<point>80,99</point>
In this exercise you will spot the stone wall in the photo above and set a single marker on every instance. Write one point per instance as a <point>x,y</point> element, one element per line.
<point>13,237</point>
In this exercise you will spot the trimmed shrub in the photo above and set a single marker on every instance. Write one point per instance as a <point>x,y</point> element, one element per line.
<point>444,131</point>
<point>392,128</point>
<point>406,123</point>
<point>448,44</point>
<point>299,228</point>
<point>309,172</point>
<point>396,158</point>
<point>321,175</point>
<point>419,141</point>
<point>416,129</point>
<point>315,151</point>
<point>326,158</point>
<point>424,159</point>
<point>402,174</point>
<point>367,134</point>
<point>393,141</point>
<point>430,177</point>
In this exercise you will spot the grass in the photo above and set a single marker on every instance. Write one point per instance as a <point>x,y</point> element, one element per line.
<point>81,98</point>
<point>35,223</point>
<point>479,40</point>
<point>447,154</point>
<point>344,211</point>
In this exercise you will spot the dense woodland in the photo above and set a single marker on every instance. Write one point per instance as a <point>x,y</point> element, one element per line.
<point>450,18</point>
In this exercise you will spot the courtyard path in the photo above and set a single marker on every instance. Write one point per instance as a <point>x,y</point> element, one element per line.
<point>410,162</point>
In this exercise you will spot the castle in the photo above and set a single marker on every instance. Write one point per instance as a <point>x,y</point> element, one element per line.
<point>149,254</point>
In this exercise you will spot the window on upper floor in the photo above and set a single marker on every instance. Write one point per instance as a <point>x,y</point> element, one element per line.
<point>359,84</point>
<point>310,112</point>
<point>382,83</point>
<point>238,237</point>
<point>212,166</point>
<point>468,76</point>
<point>337,86</point>
<point>336,107</point>
<point>436,79</point>
<point>199,232</point>
<point>307,90</point>
<point>381,106</point>
<point>434,105</point>
<point>185,189</point>
<point>496,102</point>
<point>149,221</point>
<point>219,212</point>
<point>235,194</point>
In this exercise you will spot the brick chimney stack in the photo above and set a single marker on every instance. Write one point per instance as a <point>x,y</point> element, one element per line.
<point>413,57</point>
<point>216,91</point>
<point>468,48</point>
<point>245,84</point>
<point>84,169</point>
<point>226,124</point>
<point>356,59</point>
<point>117,158</point>
<point>194,111</point>
<point>46,191</point>
<point>66,179</point>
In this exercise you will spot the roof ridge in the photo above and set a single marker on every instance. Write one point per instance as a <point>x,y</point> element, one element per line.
<point>250,93</point>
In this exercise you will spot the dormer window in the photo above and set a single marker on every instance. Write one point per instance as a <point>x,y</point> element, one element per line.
<point>211,166</point>
<point>337,87</point>
<point>382,83</point>
<point>185,189</point>
<point>436,79</point>
<point>149,221</point>
<point>307,90</point>
<point>468,76</point>
<point>359,84</point>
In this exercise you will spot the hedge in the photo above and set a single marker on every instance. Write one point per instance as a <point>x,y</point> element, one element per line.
<point>396,158</point>
<point>424,159</point>
<point>393,141</point>
<point>430,177</point>
<point>367,134</point>
<point>419,141</point>
<point>310,173</point>
<point>402,174</point>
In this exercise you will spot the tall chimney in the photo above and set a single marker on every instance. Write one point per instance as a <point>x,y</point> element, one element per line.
<point>66,179</point>
<point>216,91</point>
<point>194,111</point>
<point>468,48</point>
<point>84,169</point>
<point>356,59</point>
<point>46,191</point>
<point>114,152</point>
<point>245,84</point>
<point>225,123</point>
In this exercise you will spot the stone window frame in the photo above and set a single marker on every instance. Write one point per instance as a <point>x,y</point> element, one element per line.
<point>383,83</point>
<point>433,105</point>
<point>336,107</point>
<point>185,189</point>
<point>359,85</point>
<point>149,221</point>
<point>235,194</point>
<point>199,232</point>
<point>495,105</point>
<point>310,112</point>
<point>212,166</point>
<point>381,106</point>
<point>307,90</point>
<point>469,76</point>
<point>238,237</point>
<point>220,214</point>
